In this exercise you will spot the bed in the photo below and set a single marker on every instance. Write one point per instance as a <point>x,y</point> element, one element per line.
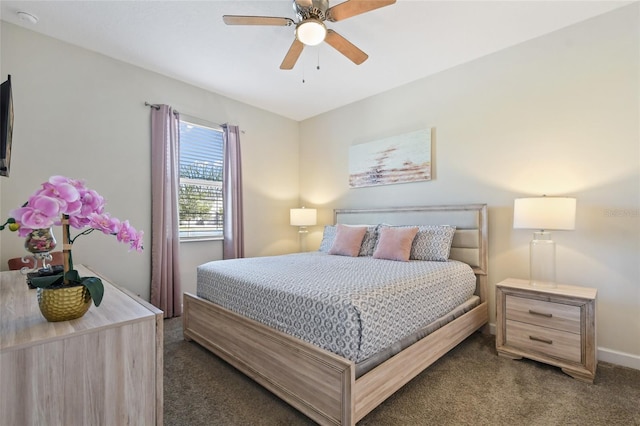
<point>340,388</point>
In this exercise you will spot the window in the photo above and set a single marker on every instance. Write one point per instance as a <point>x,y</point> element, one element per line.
<point>200,198</point>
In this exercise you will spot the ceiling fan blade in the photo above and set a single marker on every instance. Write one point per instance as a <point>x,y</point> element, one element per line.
<point>256,20</point>
<point>351,8</point>
<point>345,47</point>
<point>292,55</point>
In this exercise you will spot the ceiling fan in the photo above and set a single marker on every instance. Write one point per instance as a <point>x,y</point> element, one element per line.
<point>310,28</point>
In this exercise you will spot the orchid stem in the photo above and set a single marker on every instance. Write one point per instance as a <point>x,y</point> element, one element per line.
<point>66,248</point>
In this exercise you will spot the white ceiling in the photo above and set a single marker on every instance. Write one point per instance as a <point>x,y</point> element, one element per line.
<point>188,41</point>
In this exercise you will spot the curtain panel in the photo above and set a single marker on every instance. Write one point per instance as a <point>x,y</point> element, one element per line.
<point>166,292</point>
<point>233,226</point>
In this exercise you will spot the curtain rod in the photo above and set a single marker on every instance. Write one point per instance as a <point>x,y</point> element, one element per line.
<point>156,106</point>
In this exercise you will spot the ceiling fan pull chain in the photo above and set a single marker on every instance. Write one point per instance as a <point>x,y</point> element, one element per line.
<point>318,66</point>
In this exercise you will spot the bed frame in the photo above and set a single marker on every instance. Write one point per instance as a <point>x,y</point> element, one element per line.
<point>321,384</point>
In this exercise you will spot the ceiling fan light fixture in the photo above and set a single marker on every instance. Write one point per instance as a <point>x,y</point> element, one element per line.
<point>311,32</point>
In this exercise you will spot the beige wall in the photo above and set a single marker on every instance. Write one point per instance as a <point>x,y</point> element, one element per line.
<point>558,115</point>
<point>81,114</point>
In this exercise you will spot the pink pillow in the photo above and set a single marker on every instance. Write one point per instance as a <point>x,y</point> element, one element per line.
<point>395,243</point>
<point>348,240</point>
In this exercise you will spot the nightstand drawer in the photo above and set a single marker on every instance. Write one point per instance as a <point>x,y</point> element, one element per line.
<point>558,316</point>
<point>555,343</point>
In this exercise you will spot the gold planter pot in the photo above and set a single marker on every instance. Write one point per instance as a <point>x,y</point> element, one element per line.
<point>64,303</point>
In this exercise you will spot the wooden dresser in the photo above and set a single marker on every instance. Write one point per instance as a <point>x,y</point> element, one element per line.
<point>555,325</point>
<point>105,368</point>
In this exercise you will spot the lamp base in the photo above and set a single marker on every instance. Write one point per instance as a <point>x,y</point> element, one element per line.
<point>542,252</point>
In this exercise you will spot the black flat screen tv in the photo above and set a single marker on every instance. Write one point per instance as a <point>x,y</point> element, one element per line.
<point>6,126</point>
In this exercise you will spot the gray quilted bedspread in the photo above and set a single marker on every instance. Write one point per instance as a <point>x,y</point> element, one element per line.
<point>351,306</point>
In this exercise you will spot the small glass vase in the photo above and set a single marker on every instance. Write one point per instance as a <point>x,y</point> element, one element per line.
<point>40,241</point>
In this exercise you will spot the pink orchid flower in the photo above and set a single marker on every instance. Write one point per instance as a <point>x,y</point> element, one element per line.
<point>105,223</point>
<point>84,208</point>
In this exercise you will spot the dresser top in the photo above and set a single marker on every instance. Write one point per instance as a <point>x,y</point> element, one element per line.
<point>559,289</point>
<point>22,324</point>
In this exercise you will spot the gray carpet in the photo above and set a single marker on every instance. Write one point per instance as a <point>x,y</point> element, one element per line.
<point>470,385</point>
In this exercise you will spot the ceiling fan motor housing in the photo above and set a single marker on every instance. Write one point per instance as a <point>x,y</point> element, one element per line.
<point>311,9</point>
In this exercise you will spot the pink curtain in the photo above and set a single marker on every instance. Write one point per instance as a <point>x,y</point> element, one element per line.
<point>233,228</point>
<point>166,291</point>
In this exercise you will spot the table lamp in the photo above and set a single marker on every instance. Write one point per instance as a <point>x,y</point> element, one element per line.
<point>303,217</point>
<point>544,214</point>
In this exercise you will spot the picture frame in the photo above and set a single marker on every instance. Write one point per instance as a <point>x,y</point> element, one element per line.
<point>398,159</point>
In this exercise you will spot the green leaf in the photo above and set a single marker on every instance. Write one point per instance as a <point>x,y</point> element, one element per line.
<point>95,287</point>
<point>93,284</point>
<point>46,281</point>
<point>73,276</point>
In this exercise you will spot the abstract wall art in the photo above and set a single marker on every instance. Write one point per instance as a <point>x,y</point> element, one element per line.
<point>397,159</point>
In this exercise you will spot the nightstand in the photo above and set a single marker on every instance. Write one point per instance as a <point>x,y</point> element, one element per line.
<point>554,325</point>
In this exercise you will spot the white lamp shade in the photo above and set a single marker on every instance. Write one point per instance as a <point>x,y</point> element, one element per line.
<point>311,32</point>
<point>545,213</point>
<point>303,217</point>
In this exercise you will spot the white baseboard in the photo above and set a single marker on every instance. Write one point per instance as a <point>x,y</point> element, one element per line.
<point>604,354</point>
<point>619,358</point>
<point>492,328</point>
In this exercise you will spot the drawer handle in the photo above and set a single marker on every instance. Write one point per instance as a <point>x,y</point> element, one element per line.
<point>540,339</point>
<point>542,314</point>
